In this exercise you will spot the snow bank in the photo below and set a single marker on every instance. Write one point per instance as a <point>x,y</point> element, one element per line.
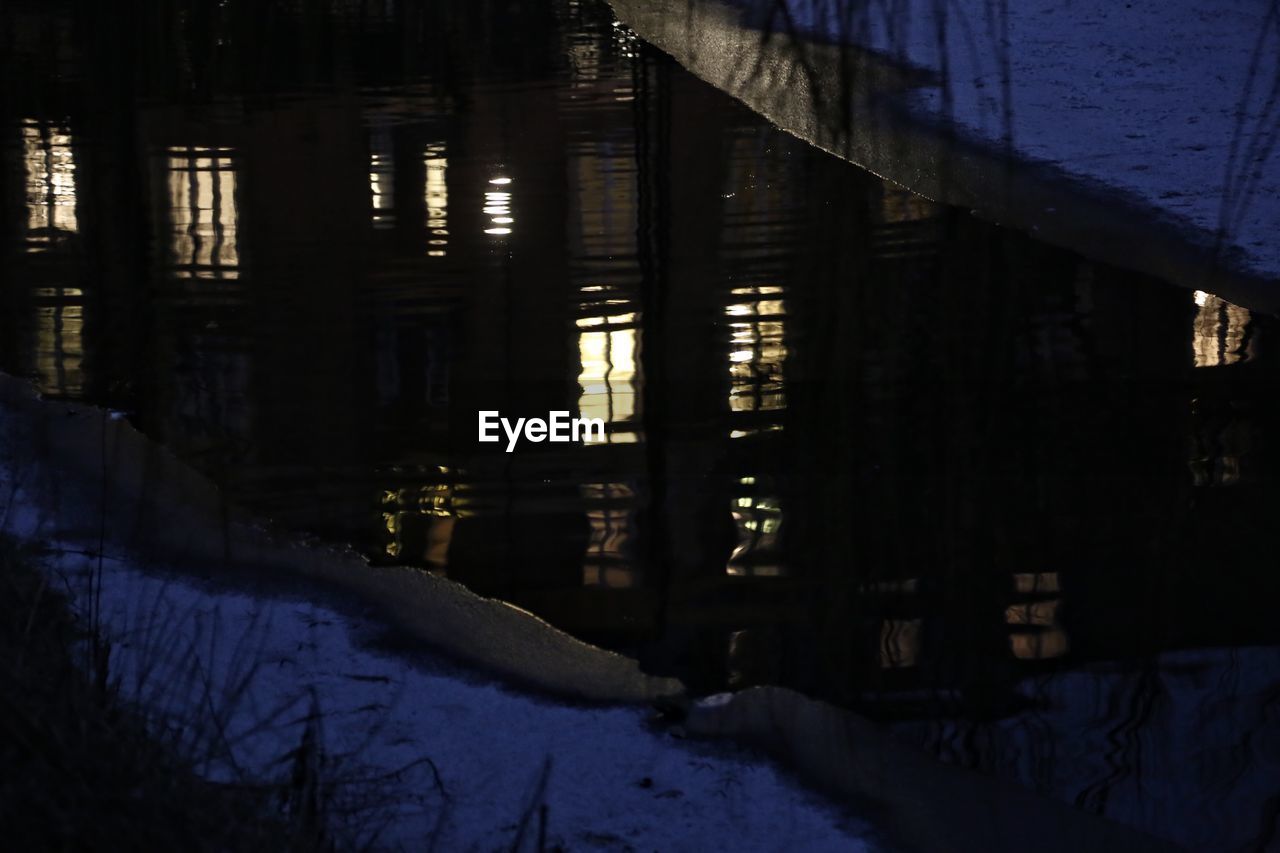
<point>256,668</point>
<point>94,482</point>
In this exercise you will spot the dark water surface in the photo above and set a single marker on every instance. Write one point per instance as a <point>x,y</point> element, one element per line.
<point>1021,504</point>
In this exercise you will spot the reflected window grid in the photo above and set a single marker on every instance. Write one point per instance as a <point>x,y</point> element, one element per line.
<point>418,523</point>
<point>50,183</point>
<point>607,562</point>
<point>758,521</point>
<point>497,206</point>
<point>757,351</point>
<point>382,172</point>
<point>1035,630</point>
<point>608,375</point>
<point>60,342</point>
<point>1220,332</point>
<point>203,213</point>
<point>435,195</point>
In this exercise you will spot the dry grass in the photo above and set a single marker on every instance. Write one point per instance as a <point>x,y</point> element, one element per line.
<point>80,770</point>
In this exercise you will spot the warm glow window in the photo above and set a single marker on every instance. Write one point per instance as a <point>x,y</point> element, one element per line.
<point>202,213</point>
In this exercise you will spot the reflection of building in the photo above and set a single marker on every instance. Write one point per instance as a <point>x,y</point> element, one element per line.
<point>757,517</point>
<point>51,183</point>
<point>607,381</point>
<point>435,198</point>
<point>382,178</point>
<point>50,201</point>
<point>419,522</point>
<point>59,341</point>
<point>201,336</point>
<point>603,245</point>
<point>498,207</point>
<point>757,351</point>
<point>1035,631</point>
<point>1220,332</point>
<point>324,317</point>
<point>202,213</point>
<point>610,557</point>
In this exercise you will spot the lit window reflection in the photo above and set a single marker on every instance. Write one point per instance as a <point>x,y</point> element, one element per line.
<point>202,210</point>
<point>50,183</point>
<point>60,342</point>
<point>436,199</point>
<point>382,177</point>
<point>418,522</point>
<point>608,558</point>
<point>756,349</point>
<point>607,381</point>
<point>758,520</point>
<point>1036,632</point>
<point>1220,332</point>
<point>497,206</point>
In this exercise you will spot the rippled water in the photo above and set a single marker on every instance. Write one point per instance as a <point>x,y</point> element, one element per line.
<point>1019,503</point>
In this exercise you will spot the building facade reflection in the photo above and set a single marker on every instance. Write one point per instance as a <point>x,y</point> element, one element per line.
<point>49,160</point>
<point>204,239</point>
<point>1220,332</point>
<point>842,422</point>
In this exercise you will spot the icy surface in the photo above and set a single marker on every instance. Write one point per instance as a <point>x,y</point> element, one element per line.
<point>1173,101</point>
<point>252,670</point>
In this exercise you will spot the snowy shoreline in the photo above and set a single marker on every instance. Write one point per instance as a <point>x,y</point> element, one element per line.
<point>397,721</point>
<point>1133,135</point>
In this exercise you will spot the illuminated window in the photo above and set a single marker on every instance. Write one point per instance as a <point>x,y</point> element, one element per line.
<point>435,196</point>
<point>382,178</point>
<point>1036,632</point>
<point>497,206</point>
<point>418,523</point>
<point>758,519</point>
<point>602,234</point>
<point>50,183</point>
<point>1220,332</point>
<point>607,383</point>
<point>202,212</point>
<point>756,349</point>
<point>608,558</point>
<point>59,341</point>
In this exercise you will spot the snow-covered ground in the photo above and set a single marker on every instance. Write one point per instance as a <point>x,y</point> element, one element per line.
<point>1176,102</point>
<point>247,671</point>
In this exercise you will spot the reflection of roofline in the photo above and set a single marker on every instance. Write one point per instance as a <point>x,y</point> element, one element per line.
<point>834,98</point>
